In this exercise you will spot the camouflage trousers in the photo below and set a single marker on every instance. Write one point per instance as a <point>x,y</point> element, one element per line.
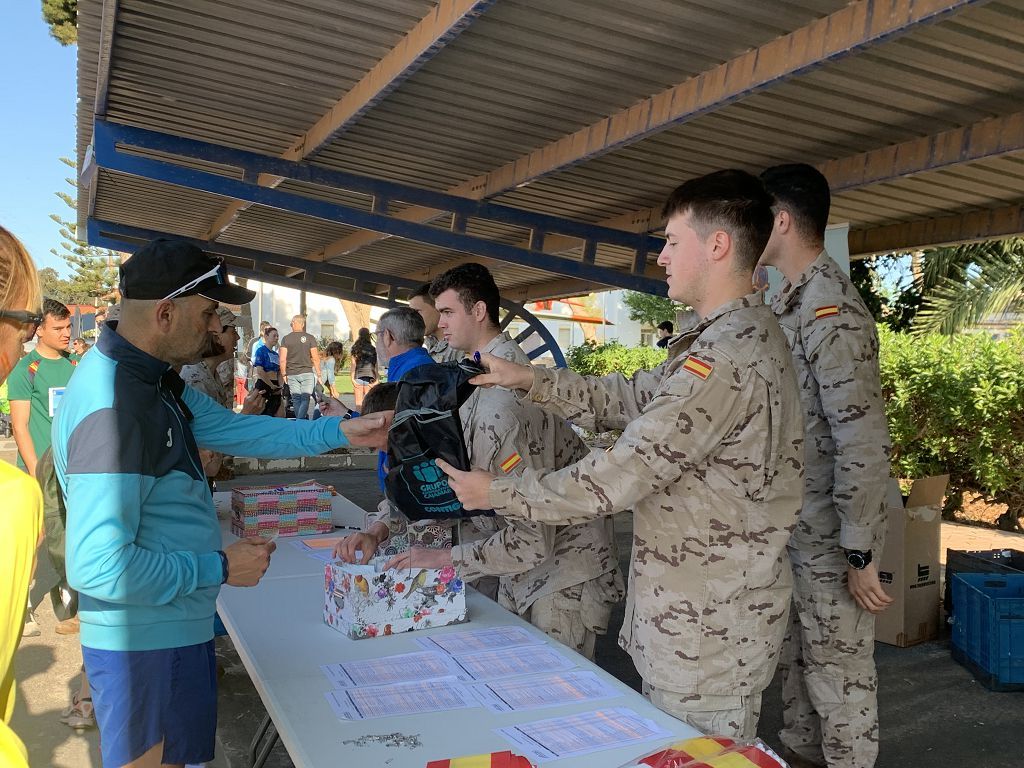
<point>732,716</point>
<point>829,683</point>
<point>563,617</point>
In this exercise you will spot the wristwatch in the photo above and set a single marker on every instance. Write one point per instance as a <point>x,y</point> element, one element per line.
<point>858,560</point>
<point>223,566</point>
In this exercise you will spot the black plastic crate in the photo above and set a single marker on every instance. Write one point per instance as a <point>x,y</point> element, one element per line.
<point>978,561</point>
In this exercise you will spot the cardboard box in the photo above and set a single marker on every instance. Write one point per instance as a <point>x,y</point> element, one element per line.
<point>290,510</point>
<point>363,601</point>
<point>909,566</point>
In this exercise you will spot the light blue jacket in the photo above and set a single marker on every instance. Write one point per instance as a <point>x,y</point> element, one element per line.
<point>142,533</point>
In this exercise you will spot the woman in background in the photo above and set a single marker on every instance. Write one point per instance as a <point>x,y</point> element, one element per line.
<point>364,366</point>
<point>20,304</point>
<point>331,362</point>
<point>266,365</point>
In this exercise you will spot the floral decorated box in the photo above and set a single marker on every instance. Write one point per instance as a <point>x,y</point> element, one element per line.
<point>362,601</point>
<point>289,510</point>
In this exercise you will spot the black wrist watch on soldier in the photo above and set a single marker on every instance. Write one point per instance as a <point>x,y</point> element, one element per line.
<point>857,559</point>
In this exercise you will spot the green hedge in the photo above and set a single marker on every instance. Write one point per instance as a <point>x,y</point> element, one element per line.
<point>954,405</point>
<point>601,359</point>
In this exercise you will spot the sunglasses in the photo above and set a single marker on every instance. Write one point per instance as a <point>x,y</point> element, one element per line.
<point>30,320</point>
<point>219,273</point>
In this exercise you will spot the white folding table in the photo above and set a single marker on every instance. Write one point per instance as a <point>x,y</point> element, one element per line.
<point>278,630</point>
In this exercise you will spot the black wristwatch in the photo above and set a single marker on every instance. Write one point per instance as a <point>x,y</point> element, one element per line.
<point>858,560</point>
<point>223,566</point>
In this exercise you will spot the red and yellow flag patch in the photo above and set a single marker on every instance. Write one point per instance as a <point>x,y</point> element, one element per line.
<point>698,367</point>
<point>828,311</point>
<point>510,463</point>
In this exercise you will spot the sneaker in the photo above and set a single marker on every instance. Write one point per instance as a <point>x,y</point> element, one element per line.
<point>79,714</point>
<point>67,627</point>
<point>31,628</point>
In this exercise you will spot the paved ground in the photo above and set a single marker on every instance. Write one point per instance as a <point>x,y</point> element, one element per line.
<point>932,710</point>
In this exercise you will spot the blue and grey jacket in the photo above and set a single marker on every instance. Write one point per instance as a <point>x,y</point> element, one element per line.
<point>142,532</point>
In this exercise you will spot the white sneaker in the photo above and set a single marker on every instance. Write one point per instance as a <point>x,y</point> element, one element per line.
<point>31,628</point>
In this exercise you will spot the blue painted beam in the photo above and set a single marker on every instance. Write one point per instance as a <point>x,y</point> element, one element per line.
<point>108,154</point>
<point>136,236</point>
<point>121,237</point>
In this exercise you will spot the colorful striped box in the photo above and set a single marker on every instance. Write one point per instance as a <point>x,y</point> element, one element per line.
<point>290,510</point>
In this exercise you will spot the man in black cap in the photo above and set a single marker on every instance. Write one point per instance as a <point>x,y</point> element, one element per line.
<point>143,540</point>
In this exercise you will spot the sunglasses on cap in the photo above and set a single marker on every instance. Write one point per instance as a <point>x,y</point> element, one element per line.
<point>31,320</point>
<point>218,272</point>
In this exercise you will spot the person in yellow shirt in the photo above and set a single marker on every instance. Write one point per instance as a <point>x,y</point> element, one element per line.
<point>19,317</point>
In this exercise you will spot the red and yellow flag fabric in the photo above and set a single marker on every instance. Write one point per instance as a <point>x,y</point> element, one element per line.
<point>698,367</point>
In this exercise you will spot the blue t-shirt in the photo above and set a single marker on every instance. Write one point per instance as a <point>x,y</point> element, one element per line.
<point>267,359</point>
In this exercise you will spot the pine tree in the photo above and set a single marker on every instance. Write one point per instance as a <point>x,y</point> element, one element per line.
<point>94,270</point>
<point>62,17</point>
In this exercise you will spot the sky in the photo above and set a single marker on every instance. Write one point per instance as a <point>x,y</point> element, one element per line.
<point>37,127</point>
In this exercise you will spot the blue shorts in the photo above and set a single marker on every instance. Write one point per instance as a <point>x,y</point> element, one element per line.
<point>145,697</point>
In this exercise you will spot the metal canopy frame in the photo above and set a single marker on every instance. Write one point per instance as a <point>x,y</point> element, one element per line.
<point>112,142</point>
<point>253,265</point>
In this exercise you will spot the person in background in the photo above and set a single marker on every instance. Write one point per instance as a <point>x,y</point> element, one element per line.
<point>437,347</point>
<point>300,366</point>
<point>260,339</point>
<point>35,388</point>
<point>37,384</point>
<point>205,376</point>
<point>79,346</point>
<point>23,501</point>
<point>664,334</point>
<point>331,363</point>
<point>829,681</point>
<point>267,368</point>
<point>363,366</point>
<point>400,350</point>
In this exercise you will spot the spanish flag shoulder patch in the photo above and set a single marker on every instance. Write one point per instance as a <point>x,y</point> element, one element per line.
<point>828,311</point>
<point>698,367</point>
<point>511,463</point>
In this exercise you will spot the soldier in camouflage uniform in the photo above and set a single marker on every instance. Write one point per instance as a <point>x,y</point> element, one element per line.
<point>830,709</point>
<point>710,460</point>
<point>563,579</point>
<point>437,347</point>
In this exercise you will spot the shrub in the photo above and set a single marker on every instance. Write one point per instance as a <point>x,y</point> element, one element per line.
<point>954,405</point>
<point>592,359</point>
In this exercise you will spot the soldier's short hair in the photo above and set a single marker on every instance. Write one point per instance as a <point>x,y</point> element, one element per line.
<point>423,292</point>
<point>733,200</point>
<point>473,283</point>
<point>381,397</point>
<point>405,325</point>
<point>803,191</point>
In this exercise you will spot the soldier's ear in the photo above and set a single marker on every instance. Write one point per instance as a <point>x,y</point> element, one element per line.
<point>720,245</point>
<point>783,221</point>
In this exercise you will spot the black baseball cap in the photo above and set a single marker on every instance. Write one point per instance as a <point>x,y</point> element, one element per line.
<point>166,268</point>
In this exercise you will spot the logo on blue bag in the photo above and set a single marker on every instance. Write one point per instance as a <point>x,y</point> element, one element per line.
<point>427,472</point>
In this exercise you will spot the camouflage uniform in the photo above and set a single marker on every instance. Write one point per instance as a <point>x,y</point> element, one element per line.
<point>564,579</point>
<point>441,351</point>
<point>711,460</point>
<point>830,710</point>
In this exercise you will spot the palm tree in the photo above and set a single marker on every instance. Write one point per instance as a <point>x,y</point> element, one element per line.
<point>964,284</point>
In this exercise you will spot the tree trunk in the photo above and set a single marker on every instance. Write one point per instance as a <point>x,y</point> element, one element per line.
<point>357,315</point>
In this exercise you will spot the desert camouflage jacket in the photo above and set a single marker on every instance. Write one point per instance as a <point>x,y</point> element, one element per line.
<point>711,461</point>
<point>835,353</point>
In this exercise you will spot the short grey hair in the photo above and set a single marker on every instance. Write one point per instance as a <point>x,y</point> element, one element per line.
<point>405,324</point>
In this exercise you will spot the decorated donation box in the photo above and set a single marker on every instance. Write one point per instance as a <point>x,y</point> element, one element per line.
<point>289,510</point>
<point>363,601</point>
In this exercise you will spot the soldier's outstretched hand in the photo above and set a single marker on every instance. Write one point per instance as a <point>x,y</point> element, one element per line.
<point>867,589</point>
<point>472,488</point>
<point>502,373</point>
